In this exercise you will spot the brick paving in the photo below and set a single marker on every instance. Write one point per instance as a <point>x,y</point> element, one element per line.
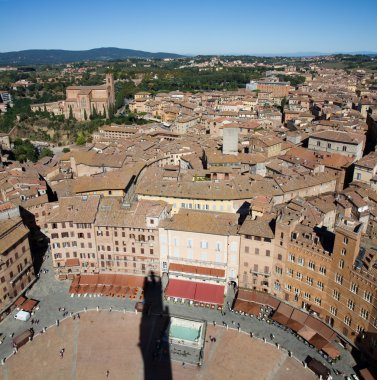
<point>109,341</point>
<point>54,294</point>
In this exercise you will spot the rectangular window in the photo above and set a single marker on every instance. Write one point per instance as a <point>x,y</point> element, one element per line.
<point>257,251</point>
<point>204,244</point>
<point>367,296</point>
<point>338,279</point>
<point>351,304</point>
<point>347,320</point>
<point>247,249</point>
<point>364,313</point>
<point>336,294</point>
<point>333,310</point>
<point>291,258</point>
<point>268,253</point>
<point>354,288</point>
<point>322,270</point>
<point>307,295</point>
<point>300,261</point>
<point>189,243</point>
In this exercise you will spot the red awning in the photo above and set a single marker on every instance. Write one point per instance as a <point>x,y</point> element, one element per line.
<point>209,293</point>
<point>196,291</point>
<point>181,289</point>
<point>331,350</point>
<point>20,301</point>
<point>72,263</point>
<point>29,305</point>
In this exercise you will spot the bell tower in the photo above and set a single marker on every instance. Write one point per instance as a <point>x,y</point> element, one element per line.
<point>110,88</point>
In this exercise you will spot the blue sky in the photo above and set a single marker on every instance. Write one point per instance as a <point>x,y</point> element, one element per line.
<point>191,26</point>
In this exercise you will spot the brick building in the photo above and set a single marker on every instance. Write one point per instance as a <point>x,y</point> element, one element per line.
<point>16,265</point>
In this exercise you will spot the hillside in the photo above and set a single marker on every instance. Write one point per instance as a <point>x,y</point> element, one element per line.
<point>35,57</point>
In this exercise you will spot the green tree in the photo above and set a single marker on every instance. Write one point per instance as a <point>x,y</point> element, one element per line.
<point>66,150</point>
<point>94,114</point>
<point>24,150</point>
<point>81,140</point>
<point>45,152</point>
<point>70,113</point>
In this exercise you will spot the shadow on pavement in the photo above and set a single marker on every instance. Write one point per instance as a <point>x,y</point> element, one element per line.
<point>154,322</point>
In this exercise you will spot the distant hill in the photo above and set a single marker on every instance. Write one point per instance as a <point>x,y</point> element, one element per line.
<point>37,57</point>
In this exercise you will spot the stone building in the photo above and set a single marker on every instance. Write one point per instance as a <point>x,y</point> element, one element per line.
<point>16,265</point>
<point>83,101</point>
<point>93,234</point>
<point>201,247</point>
<point>257,253</point>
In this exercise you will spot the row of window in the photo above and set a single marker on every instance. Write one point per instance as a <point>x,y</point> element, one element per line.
<point>256,268</point>
<point>344,147</point>
<point>311,264</point>
<point>203,244</point>
<point>257,251</point>
<point>258,238</point>
<point>364,313</point>
<point>70,224</point>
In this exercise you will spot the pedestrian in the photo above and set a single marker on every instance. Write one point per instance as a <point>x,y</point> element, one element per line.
<point>111,308</point>
<point>78,315</point>
<point>107,373</point>
<point>214,323</point>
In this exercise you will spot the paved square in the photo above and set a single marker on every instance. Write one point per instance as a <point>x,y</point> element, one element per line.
<point>101,341</point>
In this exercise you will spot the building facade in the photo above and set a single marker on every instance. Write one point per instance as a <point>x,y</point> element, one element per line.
<point>16,265</point>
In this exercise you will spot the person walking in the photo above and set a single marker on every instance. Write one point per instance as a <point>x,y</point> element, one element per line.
<point>107,373</point>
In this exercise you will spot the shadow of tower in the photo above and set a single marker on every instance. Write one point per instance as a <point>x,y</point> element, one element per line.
<point>154,322</point>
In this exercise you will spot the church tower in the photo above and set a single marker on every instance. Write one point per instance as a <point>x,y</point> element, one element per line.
<point>110,88</point>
